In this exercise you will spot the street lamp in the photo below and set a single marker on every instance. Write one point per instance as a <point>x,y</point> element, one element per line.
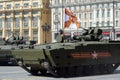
<point>45,28</point>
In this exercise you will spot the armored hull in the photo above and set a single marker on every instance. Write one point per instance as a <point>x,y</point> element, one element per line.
<point>70,59</point>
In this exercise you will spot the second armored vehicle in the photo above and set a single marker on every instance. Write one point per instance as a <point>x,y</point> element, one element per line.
<point>6,45</point>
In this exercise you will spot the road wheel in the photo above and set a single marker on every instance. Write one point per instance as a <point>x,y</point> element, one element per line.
<point>34,71</point>
<point>43,71</point>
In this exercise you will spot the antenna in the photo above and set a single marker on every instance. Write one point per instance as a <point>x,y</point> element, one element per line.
<point>113,27</point>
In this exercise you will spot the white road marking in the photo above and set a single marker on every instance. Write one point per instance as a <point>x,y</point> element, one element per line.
<point>13,72</point>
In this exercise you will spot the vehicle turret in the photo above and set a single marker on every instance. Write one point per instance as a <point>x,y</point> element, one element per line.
<point>91,34</point>
<point>14,39</point>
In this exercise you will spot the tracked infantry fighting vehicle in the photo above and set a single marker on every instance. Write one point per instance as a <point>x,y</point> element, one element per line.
<point>6,45</point>
<point>86,54</point>
<point>5,55</point>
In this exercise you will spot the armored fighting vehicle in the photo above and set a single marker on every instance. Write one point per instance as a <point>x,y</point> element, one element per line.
<point>5,56</point>
<point>6,45</point>
<point>86,54</point>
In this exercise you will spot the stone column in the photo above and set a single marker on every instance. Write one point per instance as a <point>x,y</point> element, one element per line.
<point>21,24</point>
<point>12,22</point>
<point>30,26</point>
<point>4,28</point>
<point>39,30</point>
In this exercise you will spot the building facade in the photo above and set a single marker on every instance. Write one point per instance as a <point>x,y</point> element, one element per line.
<point>27,18</point>
<point>104,14</point>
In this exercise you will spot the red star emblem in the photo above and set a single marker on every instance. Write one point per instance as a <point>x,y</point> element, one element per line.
<point>94,55</point>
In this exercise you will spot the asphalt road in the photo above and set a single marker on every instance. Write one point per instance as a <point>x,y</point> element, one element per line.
<point>17,73</point>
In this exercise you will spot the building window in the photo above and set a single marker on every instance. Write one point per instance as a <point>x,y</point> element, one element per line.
<point>85,7</point>
<point>56,10</point>
<point>8,14</point>
<point>75,1</point>
<point>17,32</point>
<point>17,13</point>
<point>116,23</point>
<point>80,16</point>
<point>1,35</point>
<point>35,4</point>
<point>26,12</point>
<point>90,24</point>
<point>1,6</point>
<point>91,15</point>
<point>90,7</point>
<point>0,23</point>
<point>97,14</point>
<point>17,22</point>
<point>69,7</point>
<point>64,1</point>
<point>0,14</point>
<point>103,13</point>
<point>80,8</point>
<point>26,35</point>
<point>81,0</point>
<point>70,1</point>
<point>103,6</point>
<point>57,2</point>
<point>117,13</point>
<point>85,16</point>
<point>117,5</point>
<point>108,5</point>
<point>97,24</point>
<point>75,8</point>
<point>56,22</point>
<point>35,35</point>
<point>8,22</point>
<point>17,5</point>
<point>35,21</point>
<point>26,22</point>
<point>97,6</point>
<point>8,33</point>
<point>103,23</point>
<point>26,4</point>
<point>85,24</point>
<point>108,23</point>
<point>55,35</point>
<point>35,12</point>
<point>108,13</point>
<point>8,6</point>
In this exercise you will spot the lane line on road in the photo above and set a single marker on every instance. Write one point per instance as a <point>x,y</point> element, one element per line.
<point>12,72</point>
